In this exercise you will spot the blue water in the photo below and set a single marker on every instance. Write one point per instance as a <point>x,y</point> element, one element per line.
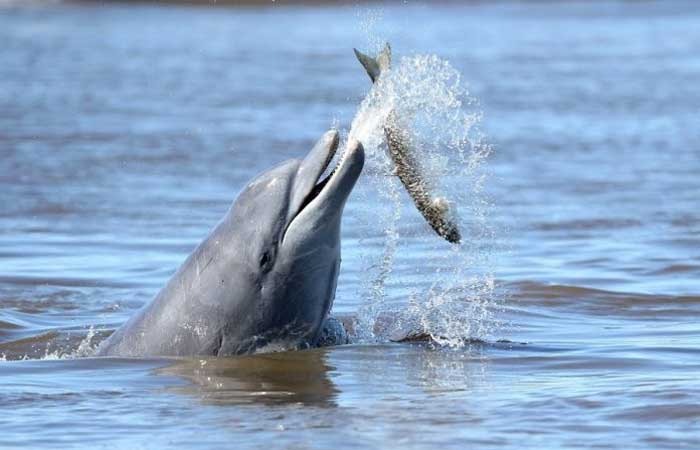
<point>127,130</point>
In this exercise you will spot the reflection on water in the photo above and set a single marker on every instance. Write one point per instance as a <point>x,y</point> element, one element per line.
<point>306,377</point>
<point>425,367</point>
<point>278,378</point>
<point>127,130</point>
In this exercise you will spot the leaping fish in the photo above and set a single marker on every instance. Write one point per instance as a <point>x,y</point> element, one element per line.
<point>435,210</point>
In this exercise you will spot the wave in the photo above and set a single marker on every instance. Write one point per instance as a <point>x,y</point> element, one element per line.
<point>601,302</point>
<point>53,344</point>
<point>19,280</point>
<point>588,224</point>
<point>16,3</point>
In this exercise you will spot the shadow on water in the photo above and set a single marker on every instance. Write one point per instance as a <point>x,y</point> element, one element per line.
<point>272,379</point>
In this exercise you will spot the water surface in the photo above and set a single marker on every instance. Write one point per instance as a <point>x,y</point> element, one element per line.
<point>126,131</point>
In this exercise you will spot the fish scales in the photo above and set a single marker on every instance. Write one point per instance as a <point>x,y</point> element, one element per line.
<point>435,210</point>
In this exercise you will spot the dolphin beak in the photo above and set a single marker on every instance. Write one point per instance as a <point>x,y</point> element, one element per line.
<point>337,187</point>
<point>311,169</point>
<point>312,197</point>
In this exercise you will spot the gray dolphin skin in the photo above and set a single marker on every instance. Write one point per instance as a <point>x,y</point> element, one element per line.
<point>265,277</point>
<point>434,209</point>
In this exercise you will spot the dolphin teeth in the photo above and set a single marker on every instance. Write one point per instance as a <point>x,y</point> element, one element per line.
<point>342,156</point>
<point>323,180</point>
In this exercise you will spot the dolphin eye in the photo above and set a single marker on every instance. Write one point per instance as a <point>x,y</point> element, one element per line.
<point>265,259</point>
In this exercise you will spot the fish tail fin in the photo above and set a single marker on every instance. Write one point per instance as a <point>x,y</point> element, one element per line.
<point>375,66</point>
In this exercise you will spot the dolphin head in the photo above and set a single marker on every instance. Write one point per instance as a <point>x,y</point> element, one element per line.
<point>285,230</point>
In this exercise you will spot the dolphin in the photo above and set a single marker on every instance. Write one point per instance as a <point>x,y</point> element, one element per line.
<point>435,210</point>
<point>264,279</point>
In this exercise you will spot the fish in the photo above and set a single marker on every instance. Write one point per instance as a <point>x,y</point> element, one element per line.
<point>436,210</point>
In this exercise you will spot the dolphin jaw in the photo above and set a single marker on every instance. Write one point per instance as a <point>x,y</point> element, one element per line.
<point>328,195</point>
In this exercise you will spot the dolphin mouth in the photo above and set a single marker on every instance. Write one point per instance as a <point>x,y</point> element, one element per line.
<point>321,181</point>
<point>347,157</point>
<point>315,192</point>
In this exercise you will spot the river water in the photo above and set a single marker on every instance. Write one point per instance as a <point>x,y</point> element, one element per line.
<point>127,130</point>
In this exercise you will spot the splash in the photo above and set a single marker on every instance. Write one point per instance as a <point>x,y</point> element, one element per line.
<point>371,310</point>
<point>372,27</point>
<point>86,347</point>
<point>429,96</point>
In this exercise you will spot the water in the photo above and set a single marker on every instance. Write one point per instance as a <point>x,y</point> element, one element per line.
<point>126,131</point>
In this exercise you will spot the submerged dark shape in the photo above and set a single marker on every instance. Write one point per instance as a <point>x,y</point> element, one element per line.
<point>265,277</point>
<point>435,210</point>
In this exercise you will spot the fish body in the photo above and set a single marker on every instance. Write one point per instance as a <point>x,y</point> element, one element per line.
<point>435,210</point>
